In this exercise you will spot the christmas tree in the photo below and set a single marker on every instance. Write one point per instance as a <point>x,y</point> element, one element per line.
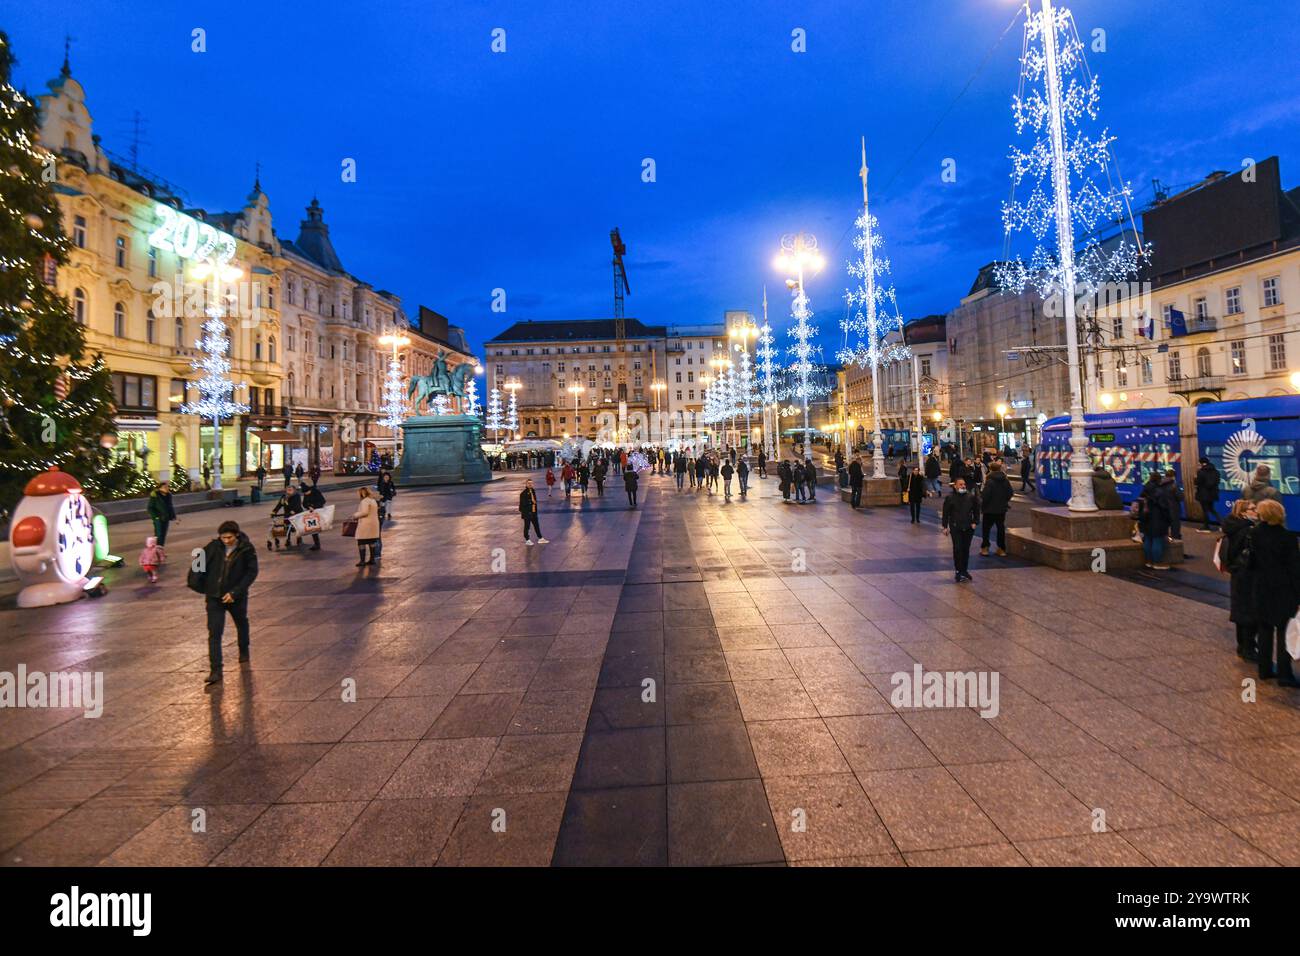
<point>56,404</point>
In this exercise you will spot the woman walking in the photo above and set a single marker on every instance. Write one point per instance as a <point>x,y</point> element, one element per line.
<point>1275,561</point>
<point>367,519</point>
<point>916,494</point>
<point>1154,521</point>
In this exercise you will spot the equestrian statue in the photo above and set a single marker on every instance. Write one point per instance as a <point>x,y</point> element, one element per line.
<point>439,381</point>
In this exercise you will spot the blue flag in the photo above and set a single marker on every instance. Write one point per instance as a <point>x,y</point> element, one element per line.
<point>1177,323</point>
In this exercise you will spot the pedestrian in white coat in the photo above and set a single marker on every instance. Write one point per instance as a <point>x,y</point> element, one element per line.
<point>367,519</point>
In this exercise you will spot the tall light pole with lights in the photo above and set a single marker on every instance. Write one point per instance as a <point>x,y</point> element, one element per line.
<point>744,331</point>
<point>215,387</point>
<point>575,390</point>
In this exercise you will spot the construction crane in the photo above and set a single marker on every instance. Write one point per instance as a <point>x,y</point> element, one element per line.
<point>621,288</point>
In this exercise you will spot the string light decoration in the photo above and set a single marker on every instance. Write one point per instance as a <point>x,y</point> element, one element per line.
<point>471,397</point>
<point>798,254</point>
<point>1073,185</point>
<point>873,314</point>
<point>494,420</point>
<point>767,372</point>
<point>216,389</point>
<point>439,403</point>
<point>512,415</point>
<point>56,402</point>
<point>395,405</point>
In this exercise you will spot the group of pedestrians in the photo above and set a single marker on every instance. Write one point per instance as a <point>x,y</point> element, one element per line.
<point>799,477</point>
<point>969,508</point>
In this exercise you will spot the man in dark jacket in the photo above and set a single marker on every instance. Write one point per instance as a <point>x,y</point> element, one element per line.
<point>786,476</point>
<point>856,478</point>
<point>528,511</point>
<point>1206,486</point>
<point>742,475</point>
<point>810,479</point>
<point>762,463</point>
<point>1104,492</point>
<point>1026,471</point>
<point>1234,557</point>
<point>932,472</point>
<point>961,513</point>
<point>313,498</point>
<point>727,472</point>
<point>629,485</point>
<point>679,469</point>
<point>974,475</point>
<point>1174,495</point>
<point>955,470</point>
<point>161,511</point>
<point>229,569</point>
<point>994,502</point>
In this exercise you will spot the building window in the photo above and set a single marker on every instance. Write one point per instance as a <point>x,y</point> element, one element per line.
<point>1272,292</point>
<point>79,232</point>
<point>561,383</point>
<point>290,340</point>
<point>1232,301</point>
<point>679,395</point>
<point>288,290</point>
<point>119,252</point>
<point>1121,375</point>
<point>150,327</point>
<point>134,391</point>
<point>925,368</point>
<point>180,332</point>
<point>178,393</point>
<point>79,305</point>
<point>1201,308</point>
<point>1146,371</point>
<point>1117,327</point>
<point>1173,366</point>
<point>1238,357</point>
<point>119,320</point>
<point>270,350</point>
<point>690,376</point>
<point>1277,353</point>
<point>257,350</point>
<point>153,263</point>
<point>679,376</point>
<point>1203,366</point>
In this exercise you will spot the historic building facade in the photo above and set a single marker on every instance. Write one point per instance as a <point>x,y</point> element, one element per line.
<point>130,287</point>
<point>1219,313</point>
<point>927,338</point>
<point>567,375</point>
<point>334,361</point>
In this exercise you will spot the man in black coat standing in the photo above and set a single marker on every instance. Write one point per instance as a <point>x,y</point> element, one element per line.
<point>994,502</point>
<point>932,472</point>
<point>629,485</point>
<point>1026,470</point>
<point>528,511</point>
<point>856,477</point>
<point>161,511</point>
<point>1206,485</point>
<point>229,569</point>
<point>961,513</point>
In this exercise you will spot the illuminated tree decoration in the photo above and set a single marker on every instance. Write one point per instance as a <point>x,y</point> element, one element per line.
<point>512,414</point>
<point>1094,194</point>
<point>874,314</point>
<point>471,397</point>
<point>494,420</point>
<point>395,407</point>
<point>215,387</point>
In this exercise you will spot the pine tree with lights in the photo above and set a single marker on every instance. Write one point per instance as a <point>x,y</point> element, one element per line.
<point>471,398</point>
<point>216,389</point>
<point>56,403</point>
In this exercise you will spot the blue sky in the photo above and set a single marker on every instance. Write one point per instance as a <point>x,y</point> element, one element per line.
<point>479,171</point>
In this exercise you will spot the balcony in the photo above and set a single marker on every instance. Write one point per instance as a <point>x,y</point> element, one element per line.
<point>1197,324</point>
<point>1198,383</point>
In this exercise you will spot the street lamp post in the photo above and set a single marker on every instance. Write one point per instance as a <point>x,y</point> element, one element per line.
<point>657,386</point>
<point>575,390</point>
<point>1002,413</point>
<point>745,331</point>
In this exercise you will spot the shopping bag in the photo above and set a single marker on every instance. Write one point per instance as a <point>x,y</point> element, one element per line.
<point>350,528</point>
<point>313,520</point>
<point>1293,638</point>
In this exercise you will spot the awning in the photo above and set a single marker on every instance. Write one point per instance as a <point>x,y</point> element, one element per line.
<point>276,437</point>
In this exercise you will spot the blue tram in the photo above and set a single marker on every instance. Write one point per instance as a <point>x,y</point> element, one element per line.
<point>1235,436</point>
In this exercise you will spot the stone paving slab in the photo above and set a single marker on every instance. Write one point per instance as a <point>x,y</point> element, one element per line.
<point>694,682</point>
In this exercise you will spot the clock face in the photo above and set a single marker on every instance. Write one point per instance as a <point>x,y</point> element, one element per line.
<point>74,545</point>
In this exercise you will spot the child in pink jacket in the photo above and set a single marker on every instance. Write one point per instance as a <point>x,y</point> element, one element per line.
<point>151,558</point>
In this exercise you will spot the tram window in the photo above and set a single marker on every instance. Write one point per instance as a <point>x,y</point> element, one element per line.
<point>1239,465</point>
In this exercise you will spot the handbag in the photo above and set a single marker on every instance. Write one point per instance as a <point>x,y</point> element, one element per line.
<point>350,528</point>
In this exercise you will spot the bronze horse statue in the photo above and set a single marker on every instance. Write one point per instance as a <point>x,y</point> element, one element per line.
<point>439,381</point>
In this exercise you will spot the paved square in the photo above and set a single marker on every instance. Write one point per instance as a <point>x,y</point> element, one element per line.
<point>694,682</point>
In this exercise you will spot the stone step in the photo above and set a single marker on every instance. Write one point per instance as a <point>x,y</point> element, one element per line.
<point>1121,554</point>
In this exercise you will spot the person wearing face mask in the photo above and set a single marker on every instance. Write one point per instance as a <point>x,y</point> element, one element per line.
<point>961,513</point>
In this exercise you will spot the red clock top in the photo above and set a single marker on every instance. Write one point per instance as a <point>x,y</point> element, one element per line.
<point>52,482</point>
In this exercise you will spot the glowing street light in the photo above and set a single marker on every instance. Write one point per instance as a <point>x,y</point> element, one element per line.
<point>575,390</point>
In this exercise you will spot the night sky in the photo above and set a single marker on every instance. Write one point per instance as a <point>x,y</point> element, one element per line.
<point>479,170</point>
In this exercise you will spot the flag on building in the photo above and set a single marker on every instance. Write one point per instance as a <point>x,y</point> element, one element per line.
<point>1177,323</point>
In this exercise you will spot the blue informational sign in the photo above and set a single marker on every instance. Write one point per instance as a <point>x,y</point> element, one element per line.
<point>927,444</point>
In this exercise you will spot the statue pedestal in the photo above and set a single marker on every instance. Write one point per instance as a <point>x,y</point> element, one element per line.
<point>443,450</point>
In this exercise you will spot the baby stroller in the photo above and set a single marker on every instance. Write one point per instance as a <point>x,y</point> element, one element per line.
<point>279,529</point>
